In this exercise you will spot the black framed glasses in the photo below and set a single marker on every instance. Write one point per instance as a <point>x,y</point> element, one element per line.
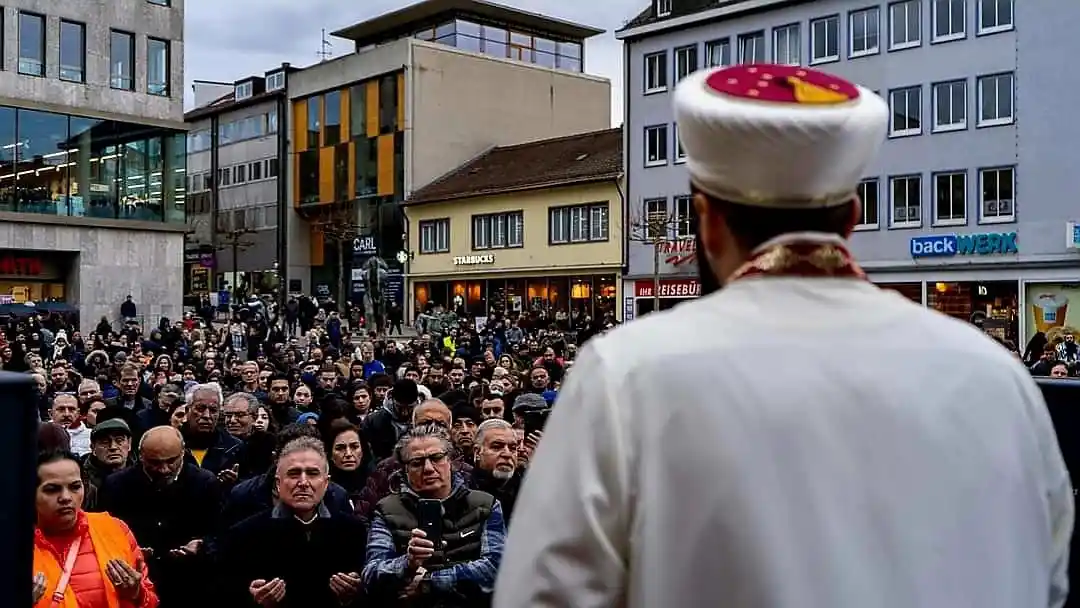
<point>418,462</point>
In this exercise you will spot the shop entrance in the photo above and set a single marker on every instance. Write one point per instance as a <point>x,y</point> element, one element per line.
<point>992,305</point>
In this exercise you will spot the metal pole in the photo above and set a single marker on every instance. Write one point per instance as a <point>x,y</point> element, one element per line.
<point>235,254</point>
<point>656,276</point>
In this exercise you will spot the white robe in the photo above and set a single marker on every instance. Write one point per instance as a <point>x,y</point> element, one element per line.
<point>794,443</point>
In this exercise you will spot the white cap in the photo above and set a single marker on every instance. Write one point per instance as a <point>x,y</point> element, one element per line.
<point>778,136</point>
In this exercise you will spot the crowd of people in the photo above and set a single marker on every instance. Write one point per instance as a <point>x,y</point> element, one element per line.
<point>247,463</point>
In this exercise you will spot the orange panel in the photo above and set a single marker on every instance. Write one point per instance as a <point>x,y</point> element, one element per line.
<point>299,123</point>
<point>373,108</point>
<point>401,101</point>
<point>326,174</point>
<point>318,244</point>
<point>345,112</point>
<point>352,168</point>
<point>385,164</point>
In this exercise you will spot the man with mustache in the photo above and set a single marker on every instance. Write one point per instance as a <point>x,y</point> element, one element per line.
<point>888,455</point>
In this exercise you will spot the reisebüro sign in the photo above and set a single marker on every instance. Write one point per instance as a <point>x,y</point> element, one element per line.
<point>949,245</point>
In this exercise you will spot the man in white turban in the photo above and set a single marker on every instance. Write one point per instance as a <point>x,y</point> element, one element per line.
<point>798,438</point>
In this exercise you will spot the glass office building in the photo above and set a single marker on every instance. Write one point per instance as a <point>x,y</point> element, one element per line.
<point>69,165</point>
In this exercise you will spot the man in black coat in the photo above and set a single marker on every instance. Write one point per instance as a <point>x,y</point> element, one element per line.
<point>385,425</point>
<point>170,506</point>
<point>300,553</point>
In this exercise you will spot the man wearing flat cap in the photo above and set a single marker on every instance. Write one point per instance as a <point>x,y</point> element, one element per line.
<point>888,456</point>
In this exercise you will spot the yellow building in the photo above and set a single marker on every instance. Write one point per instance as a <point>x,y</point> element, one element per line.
<point>523,228</point>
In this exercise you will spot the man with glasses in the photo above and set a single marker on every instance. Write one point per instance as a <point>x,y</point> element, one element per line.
<point>240,410</point>
<point>403,562</point>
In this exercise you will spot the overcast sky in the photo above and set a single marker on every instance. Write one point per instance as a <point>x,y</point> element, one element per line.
<point>229,39</point>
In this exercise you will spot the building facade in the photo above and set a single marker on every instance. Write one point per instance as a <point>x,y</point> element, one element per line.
<point>525,229</point>
<point>92,156</point>
<point>236,148</point>
<point>409,106</point>
<point>967,207</point>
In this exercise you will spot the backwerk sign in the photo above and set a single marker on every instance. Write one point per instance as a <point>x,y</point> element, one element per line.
<point>949,245</point>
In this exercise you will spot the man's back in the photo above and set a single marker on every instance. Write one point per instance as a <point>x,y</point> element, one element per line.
<point>810,443</point>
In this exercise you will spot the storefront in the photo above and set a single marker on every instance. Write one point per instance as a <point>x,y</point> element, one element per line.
<point>33,276</point>
<point>671,292</point>
<point>991,280</point>
<point>586,294</point>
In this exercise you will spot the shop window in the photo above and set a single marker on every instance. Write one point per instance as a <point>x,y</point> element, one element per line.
<point>332,120</point>
<point>388,104</point>
<point>515,295</point>
<point>457,295</point>
<point>309,176</point>
<point>559,294</point>
<point>41,179</point>
<point>581,295</point>
<point>537,294</point>
<point>606,299</point>
<point>496,296</point>
<point>476,298</point>
<point>911,291</point>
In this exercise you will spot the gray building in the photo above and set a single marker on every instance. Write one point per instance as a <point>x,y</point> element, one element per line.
<point>92,162</point>
<point>967,208</point>
<point>236,148</point>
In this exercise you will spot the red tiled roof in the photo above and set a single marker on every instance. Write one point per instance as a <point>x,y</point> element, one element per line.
<point>586,157</point>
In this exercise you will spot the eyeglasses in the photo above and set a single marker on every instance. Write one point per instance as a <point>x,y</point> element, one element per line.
<point>418,462</point>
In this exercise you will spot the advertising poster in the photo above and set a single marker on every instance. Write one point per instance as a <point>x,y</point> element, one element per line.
<point>1052,308</point>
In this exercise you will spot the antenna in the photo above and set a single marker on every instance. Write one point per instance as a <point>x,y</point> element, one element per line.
<point>325,47</point>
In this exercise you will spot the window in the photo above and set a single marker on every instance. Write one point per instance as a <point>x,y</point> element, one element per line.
<point>950,198</point>
<point>239,174</point>
<point>31,44</point>
<point>786,44</point>
<point>332,118</point>
<point>244,90</point>
<point>495,41</point>
<point>224,176</point>
<point>578,224</point>
<point>998,192</point>
<point>950,106</point>
<point>656,145</point>
<point>656,72</point>
<point>996,16</point>
<point>159,2</point>
<point>435,236</point>
<point>656,219</point>
<point>948,19</point>
<point>870,199</point>
<point>718,53</point>
<point>684,216</point>
<point>358,111</point>
<point>686,61</point>
<point>272,167</point>
<point>157,67</point>
<point>72,51</point>
<point>905,24</point>
<point>308,176</point>
<point>680,154</point>
<point>663,8</point>
<point>388,103</point>
<point>995,100</point>
<point>271,121</point>
<point>906,107</point>
<point>865,34</point>
<point>275,81</point>
<point>121,60</point>
<point>255,170</point>
<point>825,39</point>
<point>314,122</point>
<point>498,231</point>
<point>752,48</point>
<point>906,201</point>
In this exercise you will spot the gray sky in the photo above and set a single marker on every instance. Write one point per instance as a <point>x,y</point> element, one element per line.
<point>229,39</point>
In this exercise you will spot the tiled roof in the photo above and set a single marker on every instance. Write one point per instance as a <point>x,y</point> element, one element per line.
<point>678,9</point>
<point>586,157</point>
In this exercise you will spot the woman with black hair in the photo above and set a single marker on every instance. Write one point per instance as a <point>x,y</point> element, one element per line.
<point>350,460</point>
<point>84,560</point>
